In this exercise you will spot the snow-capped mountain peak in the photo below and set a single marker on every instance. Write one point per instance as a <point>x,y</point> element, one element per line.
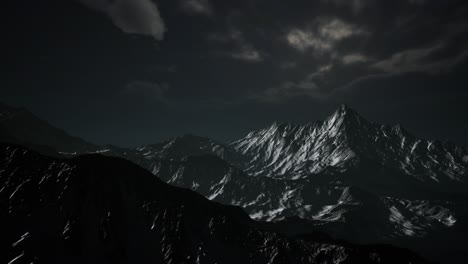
<point>331,172</point>
<point>294,151</point>
<point>298,150</point>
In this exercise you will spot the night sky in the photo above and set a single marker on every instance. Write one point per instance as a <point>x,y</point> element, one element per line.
<point>131,72</point>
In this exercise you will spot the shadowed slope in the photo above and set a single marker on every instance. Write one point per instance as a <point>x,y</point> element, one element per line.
<point>94,209</point>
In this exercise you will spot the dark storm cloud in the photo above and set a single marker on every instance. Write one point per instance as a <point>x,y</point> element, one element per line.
<point>416,36</point>
<point>132,16</point>
<point>220,68</point>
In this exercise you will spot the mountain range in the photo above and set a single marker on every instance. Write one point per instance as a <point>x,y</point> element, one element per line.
<point>96,209</point>
<point>351,178</point>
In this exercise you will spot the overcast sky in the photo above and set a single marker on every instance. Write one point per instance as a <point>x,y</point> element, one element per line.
<point>132,72</point>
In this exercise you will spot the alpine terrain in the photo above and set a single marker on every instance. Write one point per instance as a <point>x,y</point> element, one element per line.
<point>346,176</point>
<point>95,209</point>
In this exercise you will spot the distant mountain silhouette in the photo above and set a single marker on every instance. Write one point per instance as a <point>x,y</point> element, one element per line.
<point>20,126</point>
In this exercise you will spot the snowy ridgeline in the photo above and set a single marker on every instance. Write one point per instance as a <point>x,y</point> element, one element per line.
<point>96,209</point>
<point>326,172</point>
<point>343,173</point>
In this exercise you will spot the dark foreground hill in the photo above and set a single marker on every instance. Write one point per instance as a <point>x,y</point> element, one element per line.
<point>95,209</point>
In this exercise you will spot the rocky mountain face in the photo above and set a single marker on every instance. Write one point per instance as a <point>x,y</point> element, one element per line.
<point>296,151</point>
<point>329,202</point>
<point>96,209</point>
<point>352,178</point>
<point>347,176</point>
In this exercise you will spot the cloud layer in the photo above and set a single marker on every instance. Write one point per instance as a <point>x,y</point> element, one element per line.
<point>227,60</point>
<point>323,35</point>
<point>197,7</point>
<point>132,16</point>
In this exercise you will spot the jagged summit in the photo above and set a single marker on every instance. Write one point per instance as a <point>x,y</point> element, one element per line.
<point>295,151</point>
<point>342,117</point>
<point>344,109</point>
<point>347,117</point>
<point>298,150</point>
